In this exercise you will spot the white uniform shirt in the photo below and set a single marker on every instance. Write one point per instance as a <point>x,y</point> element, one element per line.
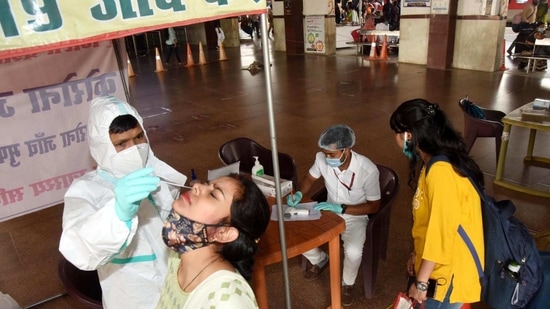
<point>356,185</point>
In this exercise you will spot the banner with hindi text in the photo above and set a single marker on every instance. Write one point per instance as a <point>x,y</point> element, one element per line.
<point>30,26</point>
<point>44,102</point>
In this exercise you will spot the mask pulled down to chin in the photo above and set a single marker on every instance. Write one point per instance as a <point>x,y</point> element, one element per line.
<point>130,160</point>
<point>183,234</point>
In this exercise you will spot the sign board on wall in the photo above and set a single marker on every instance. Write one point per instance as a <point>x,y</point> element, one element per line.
<point>314,34</point>
<point>417,3</point>
<point>440,7</point>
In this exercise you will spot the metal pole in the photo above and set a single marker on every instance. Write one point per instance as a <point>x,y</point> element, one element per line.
<point>160,42</point>
<point>135,47</point>
<point>274,154</point>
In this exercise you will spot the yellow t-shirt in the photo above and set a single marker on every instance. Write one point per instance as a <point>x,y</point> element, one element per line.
<point>443,201</point>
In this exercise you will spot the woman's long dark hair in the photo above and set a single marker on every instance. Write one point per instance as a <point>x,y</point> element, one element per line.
<point>433,134</point>
<point>250,215</point>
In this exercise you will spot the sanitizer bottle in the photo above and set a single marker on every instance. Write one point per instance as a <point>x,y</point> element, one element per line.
<point>257,169</point>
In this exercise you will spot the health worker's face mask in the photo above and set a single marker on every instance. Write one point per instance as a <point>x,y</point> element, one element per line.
<point>130,160</point>
<point>406,147</point>
<point>183,235</point>
<point>335,162</point>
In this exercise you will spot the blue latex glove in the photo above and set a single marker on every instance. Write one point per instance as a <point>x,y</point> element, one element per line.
<point>336,208</point>
<point>131,189</point>
<point>293,199</point>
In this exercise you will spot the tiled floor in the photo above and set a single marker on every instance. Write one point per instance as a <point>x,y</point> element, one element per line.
<point>193,110</point>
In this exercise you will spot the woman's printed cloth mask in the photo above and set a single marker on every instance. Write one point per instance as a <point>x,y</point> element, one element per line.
<point>182,234</point>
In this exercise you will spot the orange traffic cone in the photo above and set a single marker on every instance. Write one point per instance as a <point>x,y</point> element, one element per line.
<point>503,56</point>
<point>160,67</point>
<point>190,61</point>
<point>202,58</point>
<point>223,56</point>
<point>384,51</point>
<point>130,69</point>
<point>372,55</point>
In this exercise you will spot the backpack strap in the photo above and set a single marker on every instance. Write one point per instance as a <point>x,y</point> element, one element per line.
<point>472,249</point>
<point>460,229</point>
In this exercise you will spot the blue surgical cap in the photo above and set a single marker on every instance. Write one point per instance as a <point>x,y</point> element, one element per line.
<point>336,137</point>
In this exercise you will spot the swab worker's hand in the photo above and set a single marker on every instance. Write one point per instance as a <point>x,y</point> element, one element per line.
<point>131,189</point>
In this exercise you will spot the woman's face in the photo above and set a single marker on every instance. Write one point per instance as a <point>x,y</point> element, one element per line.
<point>400,139</point>
<point>209,202</point>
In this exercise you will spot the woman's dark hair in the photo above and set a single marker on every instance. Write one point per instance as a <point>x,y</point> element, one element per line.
<point>122,124</point>
<point>250,215</point>
<point>433,134</point>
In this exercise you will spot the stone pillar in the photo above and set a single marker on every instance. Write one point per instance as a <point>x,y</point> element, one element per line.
<point>279,26</point>
<point>294,27</point>
<point>441,39</point>
<point>231,29</point>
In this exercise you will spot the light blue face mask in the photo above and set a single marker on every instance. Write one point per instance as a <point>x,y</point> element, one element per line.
<point>406,149</point>
<point>335,162</point>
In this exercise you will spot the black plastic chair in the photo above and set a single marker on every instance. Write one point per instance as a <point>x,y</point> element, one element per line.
<point>489,126</point>
<point>243,149</point>
<point>376,243</point>
<point>80,284</point>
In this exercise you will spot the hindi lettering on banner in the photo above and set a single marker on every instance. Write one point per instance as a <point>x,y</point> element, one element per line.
<point>5,110</point>
<point>55,183</point>
<point>42,97</point>
<point>10,152</point>
<point>77,135</point>
<point>11,196</point>
<point>42,144</point>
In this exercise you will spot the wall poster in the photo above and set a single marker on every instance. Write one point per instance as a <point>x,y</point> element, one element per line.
<point>314,34</point>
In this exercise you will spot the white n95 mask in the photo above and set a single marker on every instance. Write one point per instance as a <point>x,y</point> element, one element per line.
<point>130,160</point>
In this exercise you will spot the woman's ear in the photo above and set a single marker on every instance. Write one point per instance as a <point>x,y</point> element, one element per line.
<point>225,234</point>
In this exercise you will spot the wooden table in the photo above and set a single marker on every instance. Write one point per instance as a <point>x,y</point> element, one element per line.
<point>301,236</point>
<point>514,119</point>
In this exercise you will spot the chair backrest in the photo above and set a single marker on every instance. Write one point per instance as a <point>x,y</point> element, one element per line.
<point>82,285</point>
<point>471,108</point>
<point>244,149</point>
<point>472,112</point>
<point>389,186</point>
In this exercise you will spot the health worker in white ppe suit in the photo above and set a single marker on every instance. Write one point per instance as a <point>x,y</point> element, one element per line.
<point>113,215</point>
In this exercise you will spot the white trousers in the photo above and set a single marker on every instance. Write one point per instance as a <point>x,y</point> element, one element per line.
<point>354,238</point>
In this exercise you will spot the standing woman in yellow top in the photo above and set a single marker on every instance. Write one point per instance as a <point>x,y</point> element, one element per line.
<point>443,200</point>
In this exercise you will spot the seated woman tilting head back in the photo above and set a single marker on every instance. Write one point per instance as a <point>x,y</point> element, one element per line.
<point>214,230</point>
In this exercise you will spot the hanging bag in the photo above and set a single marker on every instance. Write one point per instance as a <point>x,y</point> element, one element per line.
<point>402,301</point>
